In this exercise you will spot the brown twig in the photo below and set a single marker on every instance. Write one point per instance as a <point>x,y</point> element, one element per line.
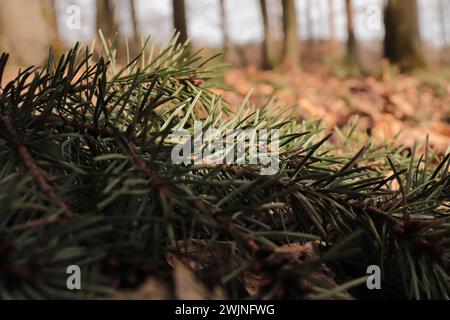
<point>159,184</point>
<point>108,132</point>
<point>409,230</point>
<point>154,177</point>
<point>32,167</point>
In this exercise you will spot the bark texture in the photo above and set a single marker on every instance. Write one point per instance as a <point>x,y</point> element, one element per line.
<point>179,20</point>
<point>291,55</point>
<point>402,44</point>
<point>267,45</point>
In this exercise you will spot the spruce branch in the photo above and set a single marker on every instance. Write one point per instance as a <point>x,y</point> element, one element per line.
<point>103,136</point>
<point>33,169</point>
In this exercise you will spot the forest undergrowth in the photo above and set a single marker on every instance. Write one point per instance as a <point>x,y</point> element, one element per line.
<point>87,179</point>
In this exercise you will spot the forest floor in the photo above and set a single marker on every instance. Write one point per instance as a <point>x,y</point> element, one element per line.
<point>408,107</point>
<point>389,105</point>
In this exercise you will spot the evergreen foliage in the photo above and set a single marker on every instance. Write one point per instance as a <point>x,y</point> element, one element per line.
<point>86,178</point>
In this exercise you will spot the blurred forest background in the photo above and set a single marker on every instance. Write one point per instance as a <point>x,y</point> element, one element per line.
<point>385,61</point>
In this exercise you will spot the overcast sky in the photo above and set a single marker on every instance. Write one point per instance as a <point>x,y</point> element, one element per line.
<point>244,21</point>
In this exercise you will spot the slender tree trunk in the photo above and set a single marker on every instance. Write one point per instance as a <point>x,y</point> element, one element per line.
<point>106,19</point>
<point>291,42</point>
<point>267,45</point>
<point>402,44</point>
<point>179,20</point>
<point>352,50</point>
<point>2,36</point>
<point>224,28</point>
<point>332,25</point>
<point>442,8</point>
<point>135,24</point>
<point>309,20</point>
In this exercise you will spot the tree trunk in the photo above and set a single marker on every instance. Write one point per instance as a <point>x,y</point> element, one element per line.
<point>179,20</point>
<point>402,44</point>
<point>2,36</point>
<point>106,19</point>
<point>135,24</point>
<point>267,45</point>
<point>309,20</point>
<point>26,31</point>
<point>352,50</point>
<point>224,28</point>
<point>442,8</point>
<point>332,26</point>
<point>290,44</point>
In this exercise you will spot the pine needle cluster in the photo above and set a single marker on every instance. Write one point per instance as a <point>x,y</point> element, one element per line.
<point>86,179</point>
